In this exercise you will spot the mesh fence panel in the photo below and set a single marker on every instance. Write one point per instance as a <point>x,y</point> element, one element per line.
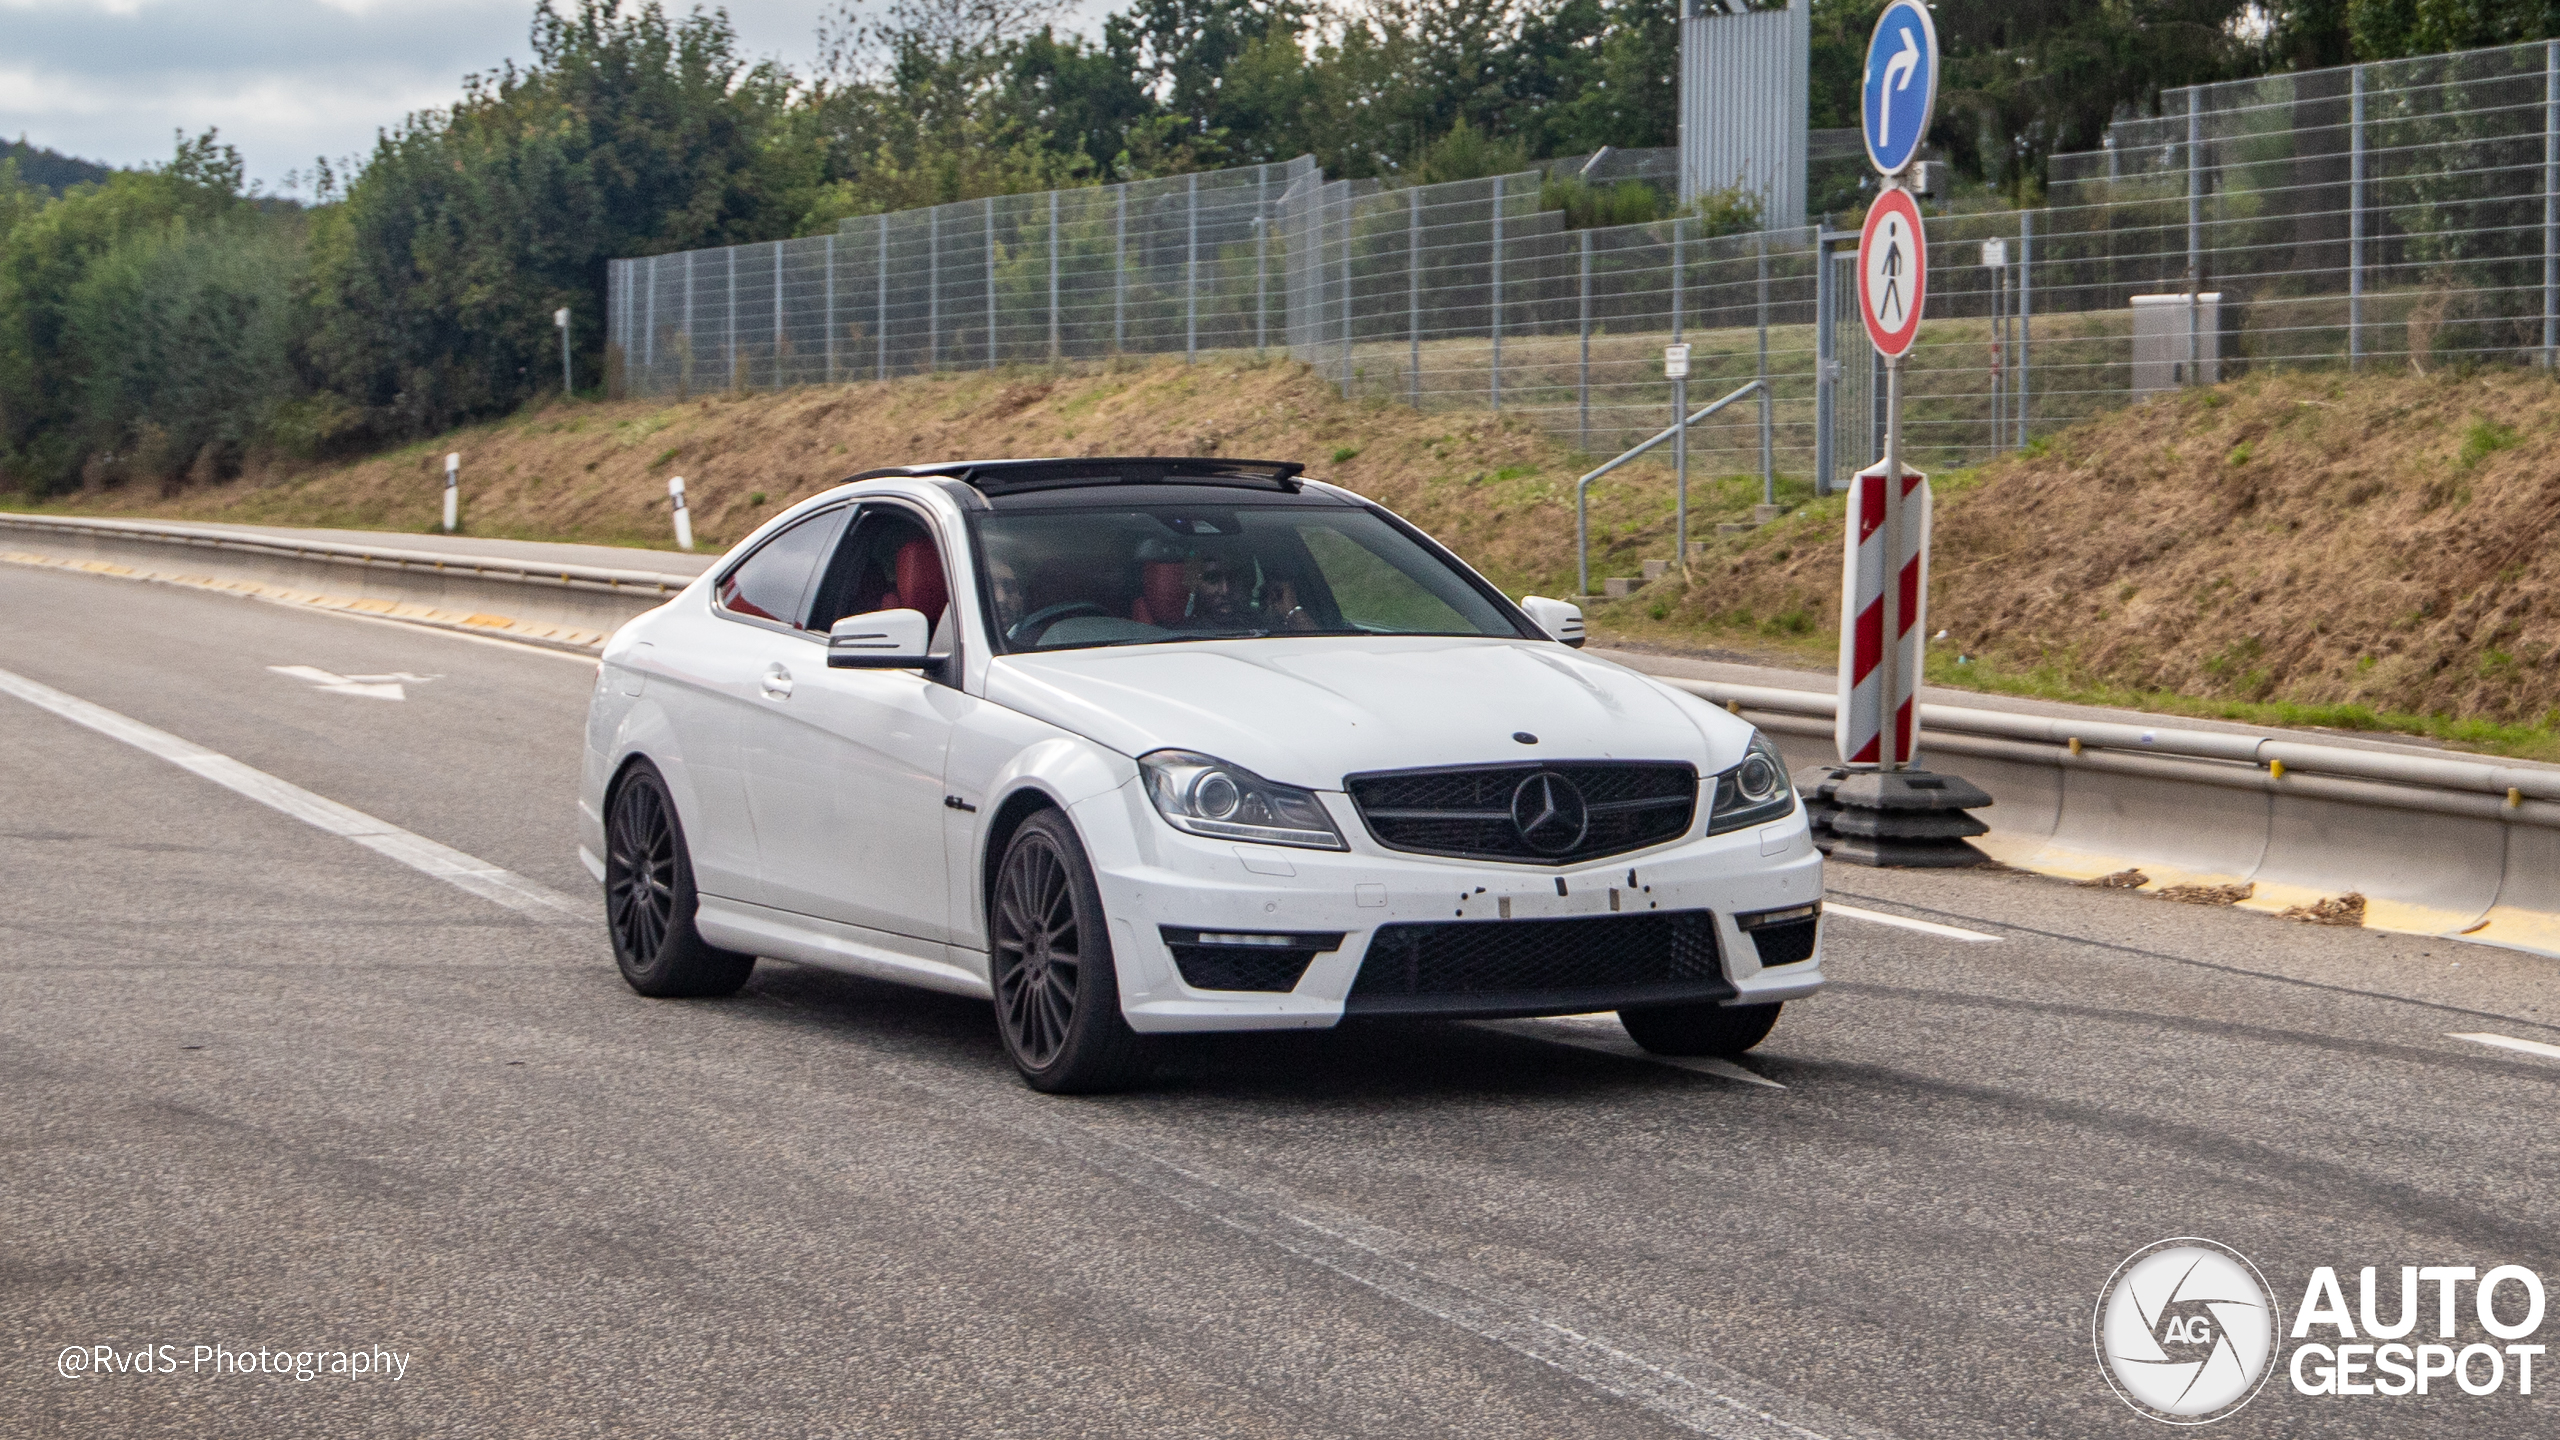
<point>1179,265</point>
<point>2399,214</point>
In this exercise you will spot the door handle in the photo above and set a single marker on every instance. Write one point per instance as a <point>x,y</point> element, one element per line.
<point>777,683</point>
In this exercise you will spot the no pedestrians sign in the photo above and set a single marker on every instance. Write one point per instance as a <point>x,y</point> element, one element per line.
<point>1893,272</point>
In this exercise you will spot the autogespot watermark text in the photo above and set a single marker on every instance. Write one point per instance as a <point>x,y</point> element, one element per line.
<point>2371,1361</point>
<point>81,1362</point>
<point>2187,1331</point>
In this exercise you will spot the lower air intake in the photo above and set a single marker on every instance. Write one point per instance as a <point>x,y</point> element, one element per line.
<point>1540,967</point>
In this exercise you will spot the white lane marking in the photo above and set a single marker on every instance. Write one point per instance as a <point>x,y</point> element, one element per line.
<point>1905,922</point>
<point>2509,1042</point>
<point>1606,1036</point>
<point>370,687</point>
<point>489,882</point>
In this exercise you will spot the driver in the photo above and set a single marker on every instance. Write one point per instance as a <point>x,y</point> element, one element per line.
<point>1222,598</point>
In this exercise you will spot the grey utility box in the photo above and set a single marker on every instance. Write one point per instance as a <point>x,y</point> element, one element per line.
<point>2162,350</point>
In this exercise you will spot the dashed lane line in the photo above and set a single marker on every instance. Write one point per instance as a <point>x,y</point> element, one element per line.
<point>490,882</point>
<point>1905,922</point>
<point>2509,1042</point>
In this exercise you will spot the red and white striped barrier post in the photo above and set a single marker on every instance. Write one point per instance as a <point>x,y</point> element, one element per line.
<point>1868,672</point>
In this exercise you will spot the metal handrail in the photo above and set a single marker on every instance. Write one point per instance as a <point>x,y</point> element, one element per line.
<point>1582,487</point>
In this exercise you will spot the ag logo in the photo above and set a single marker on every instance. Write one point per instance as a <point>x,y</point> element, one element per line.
<point>2185,1331</point>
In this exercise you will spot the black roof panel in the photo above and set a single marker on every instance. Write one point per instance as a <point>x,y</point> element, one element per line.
<point>1013,477</point>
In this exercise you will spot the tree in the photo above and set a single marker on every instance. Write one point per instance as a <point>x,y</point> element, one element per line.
<point>45,256</point>
<point>628,135</point>
<point>2394,29</point>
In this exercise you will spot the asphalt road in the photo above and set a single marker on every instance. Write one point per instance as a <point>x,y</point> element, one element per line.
<point>262,1087</point>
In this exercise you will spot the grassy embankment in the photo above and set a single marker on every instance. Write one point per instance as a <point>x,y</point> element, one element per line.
<point>2370,552</point>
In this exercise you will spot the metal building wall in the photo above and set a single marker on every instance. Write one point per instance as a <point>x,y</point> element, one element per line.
<point>1743,98</point>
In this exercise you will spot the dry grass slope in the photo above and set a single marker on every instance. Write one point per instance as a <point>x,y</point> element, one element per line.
<point>1493,487</point>
<point>2310,540</point>
<point>2325,540</point>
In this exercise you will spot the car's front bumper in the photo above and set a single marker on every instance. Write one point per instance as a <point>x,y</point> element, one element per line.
<point>1152,876</point>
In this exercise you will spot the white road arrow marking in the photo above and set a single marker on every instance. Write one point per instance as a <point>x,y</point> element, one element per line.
<point>1905,65</point>
<point>371,687</point>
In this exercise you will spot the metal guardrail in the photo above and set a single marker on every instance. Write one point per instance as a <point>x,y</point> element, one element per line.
<point>2481,789</point>
<point>2471,788</point>
<point>522,572</point>
<point>1582,487</point>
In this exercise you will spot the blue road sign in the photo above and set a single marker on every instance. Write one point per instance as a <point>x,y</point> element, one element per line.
<point>1902,85</point>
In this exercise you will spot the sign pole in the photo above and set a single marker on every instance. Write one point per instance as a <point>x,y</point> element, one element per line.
<point>1675,365</point>
<point>1680,466</point>
<point>1889,662</point>
<point>1875,807</point>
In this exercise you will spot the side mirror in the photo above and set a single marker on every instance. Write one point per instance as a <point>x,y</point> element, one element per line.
<point>881,640</point>
<point>1559,618</point>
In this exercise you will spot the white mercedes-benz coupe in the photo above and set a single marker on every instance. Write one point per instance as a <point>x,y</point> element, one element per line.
<point>1136,746</point>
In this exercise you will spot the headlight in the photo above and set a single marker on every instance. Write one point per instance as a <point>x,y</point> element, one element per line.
<point>1210,797</point>
<point>1753,792</point>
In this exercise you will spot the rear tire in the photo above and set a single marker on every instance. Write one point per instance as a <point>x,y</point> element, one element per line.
<point>650,900</point>
<point>1049,962</point>
<point>1709,1029</point>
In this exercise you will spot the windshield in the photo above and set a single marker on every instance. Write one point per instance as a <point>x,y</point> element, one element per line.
<point>1070,579</point>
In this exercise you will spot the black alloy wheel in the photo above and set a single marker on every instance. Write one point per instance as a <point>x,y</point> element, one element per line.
<point>1057,992</point>
<point>650,899</point>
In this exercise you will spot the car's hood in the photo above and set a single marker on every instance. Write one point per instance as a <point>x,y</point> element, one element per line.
<point>1308,711</point>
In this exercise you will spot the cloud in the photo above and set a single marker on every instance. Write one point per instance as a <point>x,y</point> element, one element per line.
<point>284,80</point>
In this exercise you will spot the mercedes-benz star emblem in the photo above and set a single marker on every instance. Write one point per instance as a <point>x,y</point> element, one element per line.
<point>1549,812</point>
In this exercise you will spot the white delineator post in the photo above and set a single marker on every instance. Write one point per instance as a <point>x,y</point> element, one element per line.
<point>684,519</point>
<point>560,322</point>
<point>452,490</point>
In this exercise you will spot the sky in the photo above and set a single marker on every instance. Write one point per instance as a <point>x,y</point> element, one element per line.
<point>284,80</point>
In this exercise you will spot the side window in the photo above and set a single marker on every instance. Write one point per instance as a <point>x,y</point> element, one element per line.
<point>769,584</point>
<point>888,561</point>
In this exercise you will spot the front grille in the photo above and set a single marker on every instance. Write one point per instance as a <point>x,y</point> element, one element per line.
<point>1468,812</point>
<point>1490,967</point>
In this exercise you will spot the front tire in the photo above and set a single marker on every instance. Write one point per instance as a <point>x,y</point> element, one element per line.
<point>650,900</point>
<point>1709,1029</point>
<point>1057,991</point>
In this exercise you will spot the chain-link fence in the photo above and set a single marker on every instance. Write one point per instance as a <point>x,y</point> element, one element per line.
<point>1158,266</point>
<point>2404,213</point>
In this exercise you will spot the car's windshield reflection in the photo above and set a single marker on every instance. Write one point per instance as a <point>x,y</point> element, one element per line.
<point>1079,579</point>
